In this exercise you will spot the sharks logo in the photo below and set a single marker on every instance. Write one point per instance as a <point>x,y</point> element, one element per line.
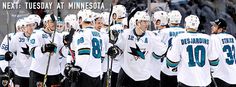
<point>137,53</point>
<point>25,50</point>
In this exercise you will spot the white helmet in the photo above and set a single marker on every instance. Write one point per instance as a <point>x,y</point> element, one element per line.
<point>24,22</point>
<point>162,16</point>
<point>105,16</point>
<point>71,20</point>
<point>120,11</point>
<point>48,17</point>
<point>132,23</point>
<point>141,15</point>
<point>19,23</point>
<point>79,14</point>
<point>29,20</point>
<point>192,21</point>
<point>36,18</point>
<point>96,15</point>
<point>87,16</point>
<point>174,16</point>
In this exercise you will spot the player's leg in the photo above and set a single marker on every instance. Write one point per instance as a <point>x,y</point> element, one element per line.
<point>21,81</point>
<point>144,83</point>
<point>123,79</point>
<point>104,79</point>
<point>221,83</point>
<point>85,80</point>
<point>53,81</point>
<point>153,82</point>
<point>36,79</point>
<point>168,81</point>
<point>114,79</point>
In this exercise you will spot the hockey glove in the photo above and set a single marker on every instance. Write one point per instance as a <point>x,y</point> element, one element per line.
<point>68,67</point>
<point>8,70</point>
<point>113,51</point>
<point>8,56</point>
<point>49,48</point>
<point>75,73</point>
<point>113,36</point>
<point>66,40</point>
<point>72,72</point>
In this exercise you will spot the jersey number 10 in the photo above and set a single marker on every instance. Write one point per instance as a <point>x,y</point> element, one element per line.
<point>196,55</point>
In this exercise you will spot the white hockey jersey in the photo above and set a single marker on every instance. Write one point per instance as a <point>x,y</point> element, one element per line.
<point>166,36</point>
<point>63,59</point>
<point>3,49</point>
<point>136,57</point>
<point>19,45</point>
<point>106,44</point>
<point>40,60</point>
<point>224,49</point>
<point>119,27</point>
<point>88,51</point>
<point>155,67</point>
<point>192,53</point>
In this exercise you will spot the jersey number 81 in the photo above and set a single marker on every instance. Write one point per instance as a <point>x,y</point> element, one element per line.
<point>96,48</point>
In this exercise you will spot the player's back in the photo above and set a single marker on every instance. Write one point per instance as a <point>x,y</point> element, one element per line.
<point>225,50</point>
<point>87,43</point>
<point>168,33</point>
<point>192,49</point>
<point>166,36</point>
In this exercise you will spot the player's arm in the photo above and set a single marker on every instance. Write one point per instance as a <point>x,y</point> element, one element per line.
<point>118,46</point>
<point>4,44</point>
<point>173,54</point>
<point>214,50</point>
<point>159,48</point>
<point>3,48</point>
<point>12,47</point>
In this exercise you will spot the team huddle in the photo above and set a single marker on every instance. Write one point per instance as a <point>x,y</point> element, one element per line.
<point>104,50</point>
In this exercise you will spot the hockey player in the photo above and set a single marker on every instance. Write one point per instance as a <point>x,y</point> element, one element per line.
<point>19,45</point>
<point>160,21</point>
<point>5,47</point>
<point>166,35</point>
<point>60,25</point>
<point>37,21</point>
<point>191,53</point>
<point>137,45</point>
<point>43,44</point>
<point>87,46</point>
<point>79,19</point>
<point>120,12</point>
<point>105,16</point>
<point>70,22</point>
<point>224,49</point>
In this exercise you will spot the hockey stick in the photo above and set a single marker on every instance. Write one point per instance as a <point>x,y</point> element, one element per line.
<point>109,70</point>
<point>71,33</point>
<point>8,40</point>
<point>213,80</point>
<point>49,57</point>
